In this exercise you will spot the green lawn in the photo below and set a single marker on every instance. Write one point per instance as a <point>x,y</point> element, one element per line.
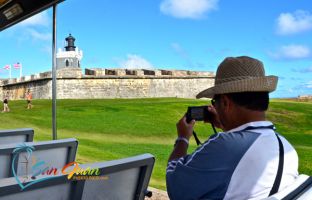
<point>117,128</point>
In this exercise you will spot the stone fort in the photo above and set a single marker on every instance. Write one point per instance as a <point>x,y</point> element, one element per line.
<point>99,83</point>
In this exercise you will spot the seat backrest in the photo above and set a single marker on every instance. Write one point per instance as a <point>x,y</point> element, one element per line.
<point>35,158</point>
<point>127,179</point>
<point>306,194</point>
<point>303,192</point>
<point>299,187</point>
<point>16,135</point>
<point>119,179</point>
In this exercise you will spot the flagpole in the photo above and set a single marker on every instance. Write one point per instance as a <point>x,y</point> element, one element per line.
<point>21,70</point>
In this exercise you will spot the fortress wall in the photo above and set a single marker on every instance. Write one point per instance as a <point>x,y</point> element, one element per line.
<point>110,83</point>
<point>131,88</point>
<point>41,89</point>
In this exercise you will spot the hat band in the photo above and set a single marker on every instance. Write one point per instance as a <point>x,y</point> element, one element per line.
<point>235,78</point>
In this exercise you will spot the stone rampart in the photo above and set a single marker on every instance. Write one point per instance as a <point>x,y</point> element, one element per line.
<point>304,98</point>
<point>110,83</point>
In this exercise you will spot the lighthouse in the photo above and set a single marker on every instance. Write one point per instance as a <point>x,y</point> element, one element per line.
<point>70,56</point>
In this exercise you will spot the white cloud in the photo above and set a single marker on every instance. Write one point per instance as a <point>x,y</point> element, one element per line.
<point>291,23</point>
<point>179,50</point>
<point>304,88</point>
<point>41,19</point>
<point>194,9</point>
<point>135,62</point>
<point>35,25</point>
<point>35,35</point>
<point>292,52</point>
<point>290,90</point>
<point>309,84</point>
<point>304,70</point>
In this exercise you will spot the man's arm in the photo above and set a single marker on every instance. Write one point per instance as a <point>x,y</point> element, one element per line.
<point>185,131</point>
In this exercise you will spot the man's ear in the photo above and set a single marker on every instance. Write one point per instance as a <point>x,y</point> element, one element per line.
<point>227,103</point>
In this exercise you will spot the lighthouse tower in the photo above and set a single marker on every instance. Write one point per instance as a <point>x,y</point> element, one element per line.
<point>70,56</point>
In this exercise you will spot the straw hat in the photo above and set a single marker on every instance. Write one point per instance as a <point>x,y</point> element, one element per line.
<point>240,74</point>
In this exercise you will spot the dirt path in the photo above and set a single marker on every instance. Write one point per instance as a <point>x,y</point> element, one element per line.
<point>158,194</point>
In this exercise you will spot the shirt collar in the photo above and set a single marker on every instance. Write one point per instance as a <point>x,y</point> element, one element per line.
<point>253,124</point>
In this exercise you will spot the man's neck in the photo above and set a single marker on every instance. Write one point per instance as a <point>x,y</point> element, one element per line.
<point>245,116</point>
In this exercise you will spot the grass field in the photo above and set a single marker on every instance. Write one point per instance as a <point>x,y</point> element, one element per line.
<point>118,128</point>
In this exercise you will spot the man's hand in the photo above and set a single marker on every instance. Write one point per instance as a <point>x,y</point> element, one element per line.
<point>215,120</point>
<point>185,129</point>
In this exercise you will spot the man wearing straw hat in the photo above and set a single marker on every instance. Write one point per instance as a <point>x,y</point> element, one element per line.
<point>248,160</point>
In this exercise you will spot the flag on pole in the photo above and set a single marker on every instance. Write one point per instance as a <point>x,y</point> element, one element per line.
<point>7,67</point>
<point>17,65</point>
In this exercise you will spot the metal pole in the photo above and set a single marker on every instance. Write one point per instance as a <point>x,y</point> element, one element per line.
<point>21,70</point>
<point>54,128</point>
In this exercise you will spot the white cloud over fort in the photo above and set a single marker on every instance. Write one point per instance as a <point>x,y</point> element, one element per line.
<point>41,19</point>
<point>194,9</point>
<point>36,35</point>
<point>291,52</point>
<point>179,50</point>
<point>36,27</point>
<point>135,62</point>
<point>309,85</point>
<point>304,70</point>
<point>292,23</point>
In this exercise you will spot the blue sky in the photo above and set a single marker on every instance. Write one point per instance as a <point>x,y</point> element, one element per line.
<point>172,34</point>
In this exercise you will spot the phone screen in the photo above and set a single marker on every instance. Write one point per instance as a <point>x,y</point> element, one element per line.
<point>197,113</point>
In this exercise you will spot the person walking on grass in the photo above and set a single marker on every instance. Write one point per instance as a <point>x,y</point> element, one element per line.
<point>248,160</point>
<point>6,103</point>
<point>29,99</point>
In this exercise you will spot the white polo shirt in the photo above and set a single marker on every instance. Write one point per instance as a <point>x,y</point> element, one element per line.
<point>238,164</point>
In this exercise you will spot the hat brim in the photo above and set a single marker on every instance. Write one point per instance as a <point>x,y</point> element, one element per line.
<point>254,84</point>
